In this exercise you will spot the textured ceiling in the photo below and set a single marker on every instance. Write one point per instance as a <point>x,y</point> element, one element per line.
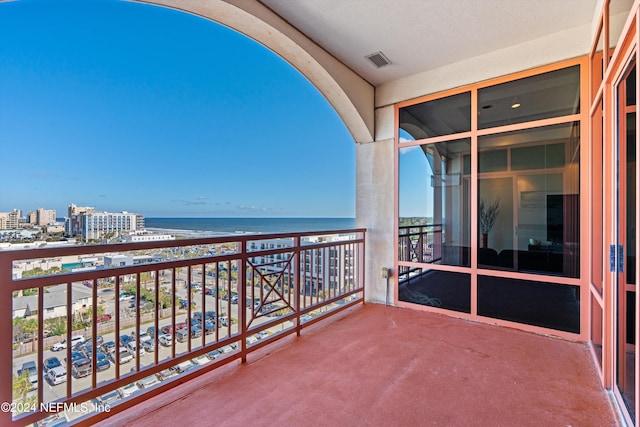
<point>419,35</point>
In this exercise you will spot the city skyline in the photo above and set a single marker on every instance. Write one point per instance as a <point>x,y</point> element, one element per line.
<point>170,115</point>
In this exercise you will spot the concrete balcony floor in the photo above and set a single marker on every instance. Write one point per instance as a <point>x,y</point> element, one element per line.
<point>385,366</point>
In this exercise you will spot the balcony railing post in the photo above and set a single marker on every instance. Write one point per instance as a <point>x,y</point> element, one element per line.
<point>6,342</point>
<point>296,281</point>
<point>242,299</point>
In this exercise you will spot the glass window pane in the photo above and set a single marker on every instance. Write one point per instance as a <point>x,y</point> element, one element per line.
<point>434,203</point>
<point>527,214</point>
<point>552,94</point>
<point>444,116</point>
<point>442,289</point>
<point>542,304</point>
<point>493,160</point>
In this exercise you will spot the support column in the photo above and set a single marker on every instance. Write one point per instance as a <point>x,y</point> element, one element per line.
<point>375,202</point>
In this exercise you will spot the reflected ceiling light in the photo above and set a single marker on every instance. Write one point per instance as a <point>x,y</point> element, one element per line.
<point>516,105</point>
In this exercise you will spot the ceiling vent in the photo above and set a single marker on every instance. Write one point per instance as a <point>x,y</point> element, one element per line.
<point>378,59</point>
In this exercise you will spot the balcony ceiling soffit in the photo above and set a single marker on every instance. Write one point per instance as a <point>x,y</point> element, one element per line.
<point>421,35</point>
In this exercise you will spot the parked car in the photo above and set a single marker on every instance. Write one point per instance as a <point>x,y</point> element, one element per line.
<point>209,327</point>
<point>196,331</point>
<point>50,363</point>
<point>213,354</point>
<point>128,390</point>
<point>151,331</point>
<point>125,339</point>
<point>184,367</point>
<point>56,375</point>
<point>103,318</point>
<point>108,398</point>
<point>81,368</point>
<point>165,339</point>
<point>133,346</point>
<point>148,345</point>
<point>102,362</point>
<point>144,337</point>
<point>224,321</point>
<point>31,370</point>
<point>63,344</point>
<point>123,354</point>
<point>76,355</point>
<point>184,303</point>
<point>28,367</point>
<point>148,382</point>
<point>166,329</point>
<point>200,360</point>
<point>182,335</point>
<point>108,346</point>
<point>166,373</point>
<point>181,325</point>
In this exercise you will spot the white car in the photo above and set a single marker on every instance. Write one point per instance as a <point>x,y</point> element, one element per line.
<point>201,360</point>
<point>132,346</point>
<point>76,339</point>
<point>125,356</point>
<point>148,382</point>
<point>57,375</point>
<point>165,340</point>
<point>128,390</point>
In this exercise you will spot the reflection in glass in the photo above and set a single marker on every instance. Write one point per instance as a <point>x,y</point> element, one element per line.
<point>443,116</point>
<point>542,304</point>
<point>534,200</point>
<point>434,203</point>
<point>552,94</point>
<point>442,289</point>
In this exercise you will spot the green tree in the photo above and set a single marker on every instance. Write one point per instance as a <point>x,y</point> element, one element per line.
<point>21,386</point>
<point>34,272</point>
<point>88,315</point>
<point>25,329</point>
<point>56,326</point>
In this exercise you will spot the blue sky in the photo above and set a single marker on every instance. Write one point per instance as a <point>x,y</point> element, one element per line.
<point>125,106</point>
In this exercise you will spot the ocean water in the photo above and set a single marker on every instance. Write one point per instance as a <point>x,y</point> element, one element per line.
<point>207,227</point>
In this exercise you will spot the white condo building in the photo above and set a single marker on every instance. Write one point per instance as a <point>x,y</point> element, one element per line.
<point>94,225</point>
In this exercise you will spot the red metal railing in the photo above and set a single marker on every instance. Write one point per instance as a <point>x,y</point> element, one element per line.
<point>420,243</point>
<point>194,305</point>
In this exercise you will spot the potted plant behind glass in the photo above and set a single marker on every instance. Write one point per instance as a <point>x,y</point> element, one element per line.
<point>487,215</point>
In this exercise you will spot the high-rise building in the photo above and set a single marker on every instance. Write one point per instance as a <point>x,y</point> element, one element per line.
<point>45,216</point>
<point>10,220</point>
<point>94,225</point>
<point>76,210</point>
